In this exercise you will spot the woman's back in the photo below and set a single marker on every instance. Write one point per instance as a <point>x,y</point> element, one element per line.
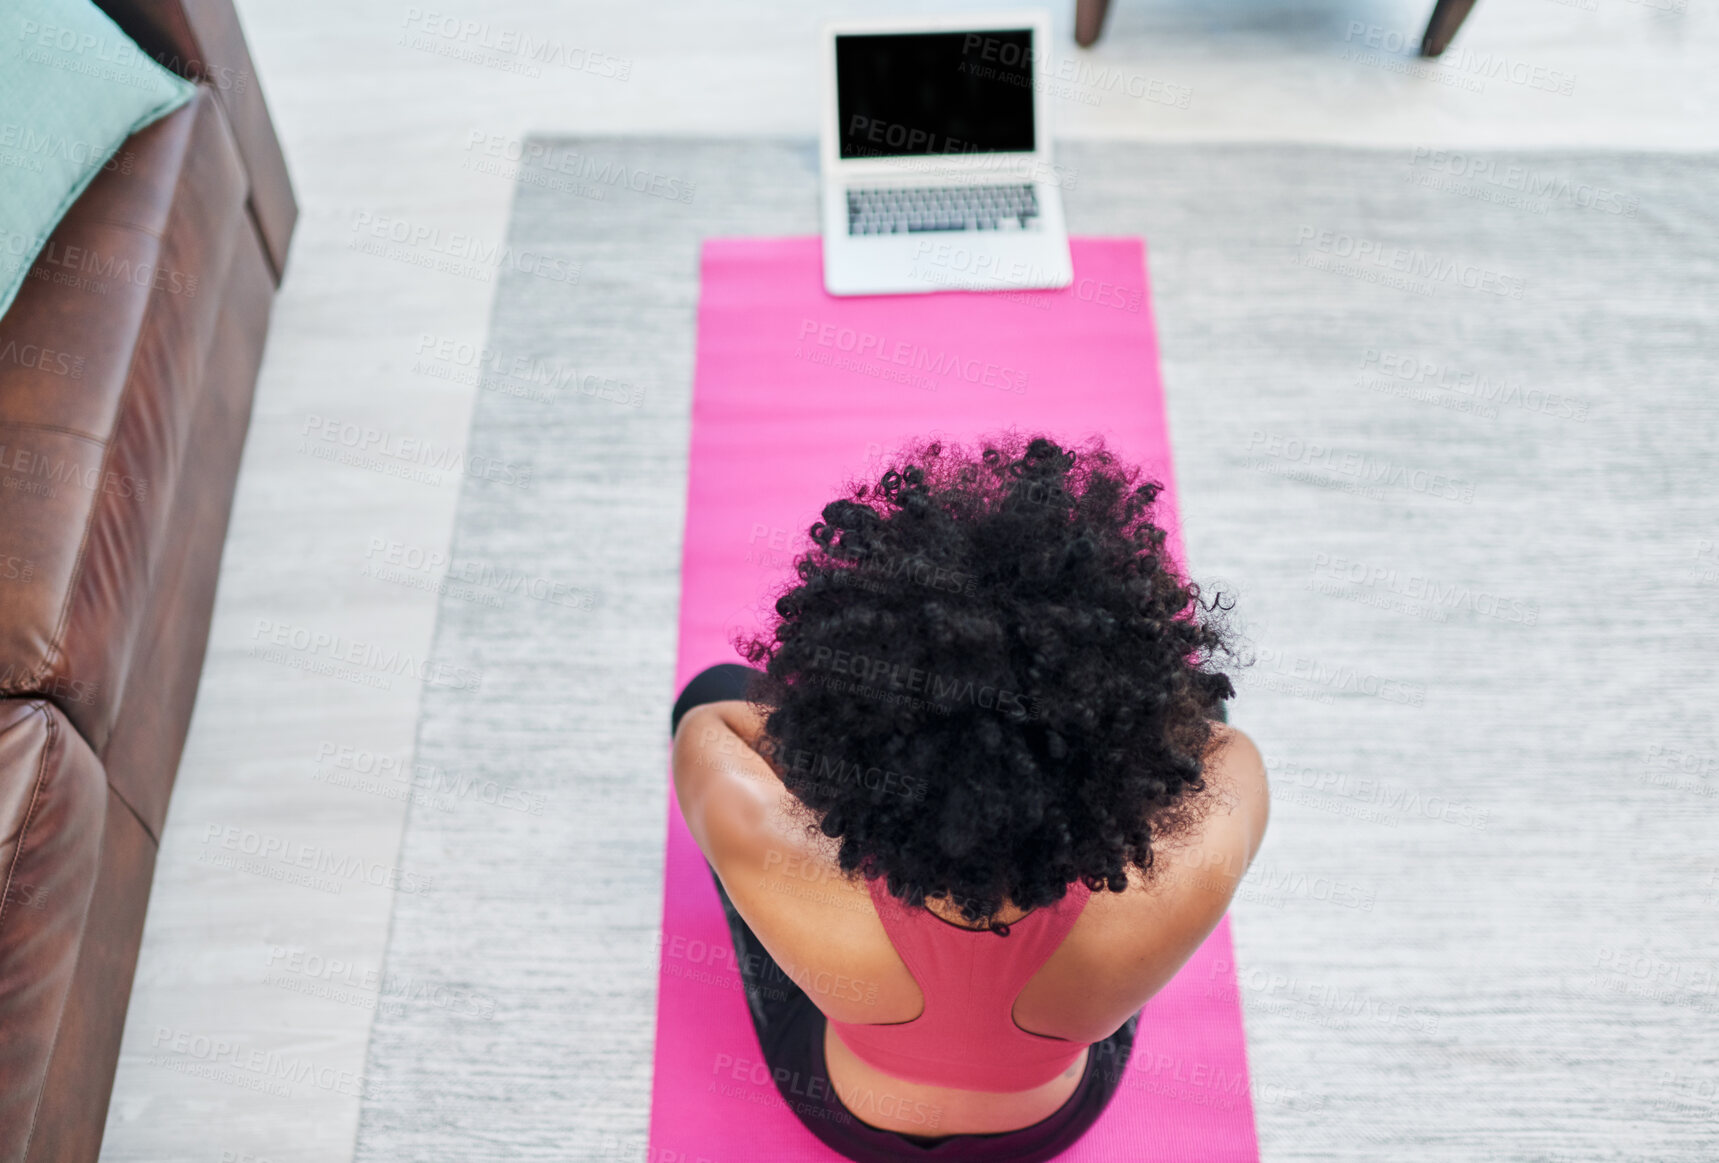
<point>965,1035</point>
<point>1111,951</point>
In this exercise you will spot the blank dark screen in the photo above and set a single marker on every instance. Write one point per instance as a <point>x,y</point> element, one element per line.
<point>935,93</point>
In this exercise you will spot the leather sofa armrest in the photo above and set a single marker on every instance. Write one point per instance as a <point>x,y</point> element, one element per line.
<point>202,40</point>
<point>53,804</point>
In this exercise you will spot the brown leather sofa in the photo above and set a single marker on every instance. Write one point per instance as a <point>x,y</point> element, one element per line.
<point>127,365</point>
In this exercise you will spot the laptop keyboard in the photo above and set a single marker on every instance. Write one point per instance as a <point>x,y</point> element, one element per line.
<point>895,210</point>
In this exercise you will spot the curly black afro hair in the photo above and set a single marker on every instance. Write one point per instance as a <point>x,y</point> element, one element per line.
<point>990,680</point>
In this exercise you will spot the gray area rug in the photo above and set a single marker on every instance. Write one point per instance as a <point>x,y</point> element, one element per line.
<point>1446,425</point>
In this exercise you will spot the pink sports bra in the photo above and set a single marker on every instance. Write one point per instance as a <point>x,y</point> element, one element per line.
<point>966,1037</point>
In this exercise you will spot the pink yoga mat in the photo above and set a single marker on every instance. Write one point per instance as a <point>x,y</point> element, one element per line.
<point>795,391</point>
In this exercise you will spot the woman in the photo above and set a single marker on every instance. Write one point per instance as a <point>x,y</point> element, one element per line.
<point>976,806</point>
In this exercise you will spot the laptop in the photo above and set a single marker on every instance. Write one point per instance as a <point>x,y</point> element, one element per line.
<point>936,157</point>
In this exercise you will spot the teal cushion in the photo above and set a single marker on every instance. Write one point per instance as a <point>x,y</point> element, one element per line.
<point>73,87</point>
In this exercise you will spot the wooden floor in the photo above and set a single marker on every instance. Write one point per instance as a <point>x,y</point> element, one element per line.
<point>279,863</point>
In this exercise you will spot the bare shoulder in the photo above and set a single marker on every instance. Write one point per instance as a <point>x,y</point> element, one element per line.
<point>1235,771</point>
<point>730,795</point>
<point>1205,862</point>
<point>780,871</point>
<point>1130,944</point>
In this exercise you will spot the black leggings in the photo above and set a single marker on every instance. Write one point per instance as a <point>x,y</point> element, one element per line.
<point>790,1032</point>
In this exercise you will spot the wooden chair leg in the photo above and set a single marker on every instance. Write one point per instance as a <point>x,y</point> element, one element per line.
<point>1089,20</point>
<point>1447,17</point>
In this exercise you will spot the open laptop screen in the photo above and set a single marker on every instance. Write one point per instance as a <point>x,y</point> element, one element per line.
<point>900,94</point>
